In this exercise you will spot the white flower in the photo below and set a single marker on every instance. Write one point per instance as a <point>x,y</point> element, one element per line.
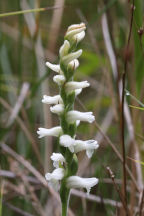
<point>59,79</point>
<point>89,146</point>
<point>57,109</point>
<point>74,115</point>
<point>78,91</point>
<point>76,146</point>
<point>74,29</point>
<point>55,131</point>
<point>80,36</point>
<point>64,49</point>
<point>52,100</point>
<point>55,177</point>
<point>70,57</point>
<point>73,65</point>
<point>72,85</point>
<point>67,141</point>
<point>57,158</point>
<point>53,67</point>
<point>78,182</point>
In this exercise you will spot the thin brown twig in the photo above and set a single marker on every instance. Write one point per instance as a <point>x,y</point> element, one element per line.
<point>17,210</point>
<point>122,107</point>
<point>111,175</point>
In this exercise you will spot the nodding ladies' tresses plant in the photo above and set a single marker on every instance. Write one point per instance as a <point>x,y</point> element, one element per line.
<point>65,162</point>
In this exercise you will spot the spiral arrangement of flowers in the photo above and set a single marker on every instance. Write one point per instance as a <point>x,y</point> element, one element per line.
<point>64,177</point>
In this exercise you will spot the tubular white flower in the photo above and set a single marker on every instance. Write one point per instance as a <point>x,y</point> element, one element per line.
<point>55,131</point>
<point>70,57</point>
<point>64,48</point>
<point>74,115</point>
<point>67,141</point>
<point>72,85</point>
<point>79,37</point>
<point>78,182</point>
<point>52,99</point>
<point>57,109</point>
<point>53,67</point>
<point>57,158</point>
<point>55,177</point>
<point>78,91</point>
<point>73,65</point>
<point>88,145</point>
<point>59,79</point>
<point>74,29</point>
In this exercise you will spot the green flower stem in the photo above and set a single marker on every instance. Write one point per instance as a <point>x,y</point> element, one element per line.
<point>64,194</point>
<point>69,129</point>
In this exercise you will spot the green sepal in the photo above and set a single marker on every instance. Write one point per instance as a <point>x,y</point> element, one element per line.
<point>70,101</point>
<point>74,165</point>
<point>64,124</point>
<point>72,129</point>
<point>64,69</point>
<point>63,95</point>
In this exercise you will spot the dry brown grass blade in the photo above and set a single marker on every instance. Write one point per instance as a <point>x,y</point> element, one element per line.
<point>19,103</point>
<point>17,210</point>
<point>29,167</point>
<point>33,29</point>
<point>55,24</point>
<point>24,128</point>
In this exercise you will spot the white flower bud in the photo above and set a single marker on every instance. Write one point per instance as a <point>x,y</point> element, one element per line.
<point>59,79</point>
<point>70,57</point>
<point>55,177</point>
<point>73,65</point>
<point>67,141</point>
<point>74,115</point>
<point>55,131</point>
<point>64,49</point>
<point>53,67</point>
<point>57,109</point>
<point>79,37</point>
<point>57,158</point>
<point>74,29</point>
<point>78,182</point>
<point>72,85</point>
<point>52,100</point>
<point>89,146</point>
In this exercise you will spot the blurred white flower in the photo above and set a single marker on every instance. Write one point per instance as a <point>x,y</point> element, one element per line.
<point>88,145</point>
<point>53,67</point>
<point>74,30</point>
<point>78,91</point>
<point>74,115</point>
<point>78,182</point>
<point>59,79</point>
<point>57,109</point>
<point>73,85</point>
<point>80,36</point>
<point>55,131</point>
<point>52,99</point>
<point>55,177</point>
<point>57,158</point>
<point>67,141</point>
<point>71,56</point>
<point>73,65</point>
<point>64,48</point>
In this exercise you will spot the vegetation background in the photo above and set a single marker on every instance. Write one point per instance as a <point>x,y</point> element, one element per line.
<point>27,41</point>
